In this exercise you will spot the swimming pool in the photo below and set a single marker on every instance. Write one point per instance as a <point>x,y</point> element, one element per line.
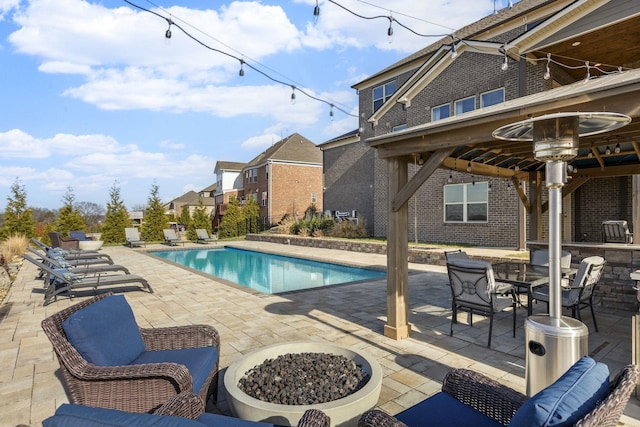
<point>267,273</point>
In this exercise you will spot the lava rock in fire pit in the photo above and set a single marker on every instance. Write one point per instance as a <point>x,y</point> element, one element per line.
<point>303,379</point>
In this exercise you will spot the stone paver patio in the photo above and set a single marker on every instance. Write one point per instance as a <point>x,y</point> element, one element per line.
<point>353,315</point>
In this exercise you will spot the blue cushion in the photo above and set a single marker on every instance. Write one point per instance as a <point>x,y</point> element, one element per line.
<point>199,361</point>
<point>215,420</point>
<point>444,410</point>
<point>105,332</point>
<point>84,416</point>
<point>576,393</point>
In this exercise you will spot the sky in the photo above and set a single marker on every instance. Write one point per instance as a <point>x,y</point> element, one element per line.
<point>94,94</point>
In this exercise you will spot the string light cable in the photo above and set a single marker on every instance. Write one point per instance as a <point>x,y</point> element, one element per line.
<point>242,60</point>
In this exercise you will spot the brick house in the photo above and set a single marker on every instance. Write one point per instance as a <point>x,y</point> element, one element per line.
<point>530,48</point>
<point>285,179</point>
<point>228,186</point>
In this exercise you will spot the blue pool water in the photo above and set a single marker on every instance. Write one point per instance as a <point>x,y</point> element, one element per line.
<point>267,273</point>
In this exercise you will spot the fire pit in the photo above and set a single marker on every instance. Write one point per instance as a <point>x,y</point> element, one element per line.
<point>342,412</point>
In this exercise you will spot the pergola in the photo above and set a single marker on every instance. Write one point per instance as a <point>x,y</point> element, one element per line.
<point>465,143</point>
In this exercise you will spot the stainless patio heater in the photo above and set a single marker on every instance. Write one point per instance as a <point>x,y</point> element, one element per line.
<point>554,342</point>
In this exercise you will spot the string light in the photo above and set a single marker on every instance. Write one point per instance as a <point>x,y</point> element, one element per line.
<point>505,64</point>
<point>241,60</point>
<point>316,10</point>
<point>293,95</point>
<point>588,76</point>
<point>331,112</point>
<point>607,151</point>
<point>547,72</point>
<point>390,30</point>
<point>617,149</point>
<point>167,34</point>
<point>469,167</point>
<point>454,51</point>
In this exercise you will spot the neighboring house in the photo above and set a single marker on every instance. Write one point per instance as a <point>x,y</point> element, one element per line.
<point>285,179</point>
<point>209,192</point>
<point>228,186</point>
<point>479,194</point>
<point>190,201</point>
<point>349,177</point>
<point>136,218</point>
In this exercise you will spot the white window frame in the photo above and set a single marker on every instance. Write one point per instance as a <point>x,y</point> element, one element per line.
<point>314,197</point>
<point>439,108</point>
<point>465,203</point>
<point>484,94</point>
<point>386,94</point>
<point>461,103</point>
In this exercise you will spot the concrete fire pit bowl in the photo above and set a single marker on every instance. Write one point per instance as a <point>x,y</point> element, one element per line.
<point>343,412</point>
<point>90,245</point>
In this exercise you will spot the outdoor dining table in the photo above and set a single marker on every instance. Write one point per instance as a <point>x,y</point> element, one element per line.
<point>525,276</point>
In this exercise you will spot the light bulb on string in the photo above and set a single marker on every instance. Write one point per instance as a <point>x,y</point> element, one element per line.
<point>547,72</point>
<point>316,10</point>
<point>587,77</point>
<point>607,151</point>
<point>331,113</point>
<point>505,63</point>
<point>293,95</point>
<point>241,72</point>
<point>469,167</point>
<point>390,30</point>
<point>454,51</point>
<point>167,34</point>
<point>617,149</point>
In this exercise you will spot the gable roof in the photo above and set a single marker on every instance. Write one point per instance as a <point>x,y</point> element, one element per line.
<point>483,29</point>
<point>222,165</point>
<point>293,149</point>
<point>211,187</point>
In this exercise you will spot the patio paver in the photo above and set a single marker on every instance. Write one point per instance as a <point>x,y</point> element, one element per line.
<point>354,315</point>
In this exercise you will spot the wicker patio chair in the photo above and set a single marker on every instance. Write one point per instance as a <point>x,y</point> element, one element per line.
<point>500,402</point>
<point>57,241</point>
<point>131,388</point>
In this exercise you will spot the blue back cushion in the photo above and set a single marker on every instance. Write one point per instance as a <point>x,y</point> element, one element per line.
<point>576,393</point>
<point>105,332</point>
<point>84,416</point>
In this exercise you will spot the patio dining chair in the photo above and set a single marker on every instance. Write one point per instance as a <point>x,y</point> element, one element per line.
<point>108,361</point>
<point>473,289</point>
<point>579,294</point>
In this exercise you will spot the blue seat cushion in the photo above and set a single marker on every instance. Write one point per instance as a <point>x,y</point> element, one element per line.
<point>576,393</point>
<point>69,415</point>
<point>444,410</point>
<point>199,361</point>
<point>105,332</point>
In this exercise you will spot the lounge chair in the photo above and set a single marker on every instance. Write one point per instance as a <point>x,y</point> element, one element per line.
<point>616,231</point>
<point>583,396</point>
<point>133,237</point>
<point>70,255</point>
<point>171,238</point>
<point>65,281</point>
<point>203,236</point>
<point>107,360</point>
<point>80,267</point>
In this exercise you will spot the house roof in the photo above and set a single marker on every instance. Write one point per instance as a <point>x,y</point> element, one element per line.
<point>211,187</point>
<point>295,149</point>
<point>479,30</point>
<point>346,138</point>
<point>222,165</point>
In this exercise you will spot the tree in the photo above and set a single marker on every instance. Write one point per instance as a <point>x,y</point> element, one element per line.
<point>199,219</point>
<point>155,219</point>
<point>18,217</point>
<point>92,214</point>
<point>233,221</point>
<point>185,216</point>
<point>69,218</point>
<point>251,213</point>
<point>116,218</point>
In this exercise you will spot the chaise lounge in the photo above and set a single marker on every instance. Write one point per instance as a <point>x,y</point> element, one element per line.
<point>203,236</point>
<point>65,281</point>
<point>133,237</point>
<point>171,238</point>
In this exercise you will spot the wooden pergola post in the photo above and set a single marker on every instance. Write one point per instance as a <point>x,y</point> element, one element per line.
<point>397,326</point>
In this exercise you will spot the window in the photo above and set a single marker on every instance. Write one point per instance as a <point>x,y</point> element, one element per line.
<point>399,127</point>
<point>266,171</point>
<point>492,97</point>
<point>466,202</point>
<point>440,112</point>
<point>466,104</point>
<point>382,93</point>
<point>264,202</point>
<point>314,197</point>
<point>255,175</point>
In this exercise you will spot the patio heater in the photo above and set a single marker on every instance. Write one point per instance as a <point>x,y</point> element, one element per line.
<point>555,342</point>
